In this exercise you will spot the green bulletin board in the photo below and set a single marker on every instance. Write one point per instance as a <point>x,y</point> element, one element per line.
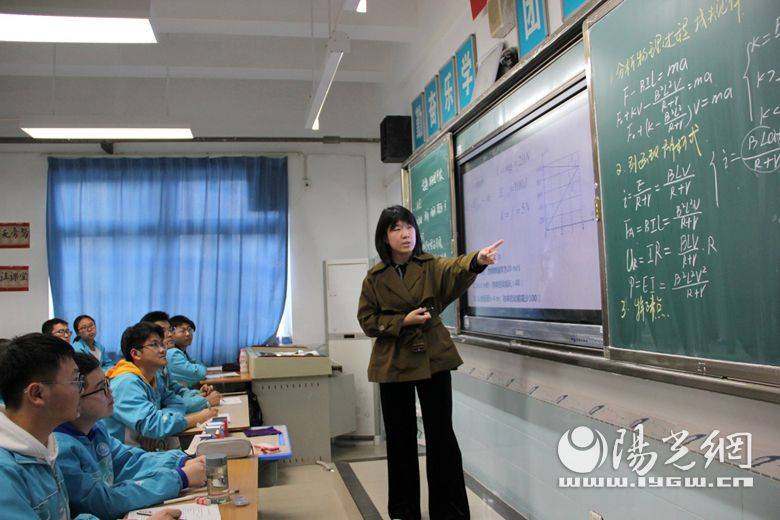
<point>428,186</point>
<point>688,130</point>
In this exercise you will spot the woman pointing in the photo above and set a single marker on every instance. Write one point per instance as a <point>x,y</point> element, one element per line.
<point>400,303</point>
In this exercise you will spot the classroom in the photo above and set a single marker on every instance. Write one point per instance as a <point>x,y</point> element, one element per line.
<point>390,259</point>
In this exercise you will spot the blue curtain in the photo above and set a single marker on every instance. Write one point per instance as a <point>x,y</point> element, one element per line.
<point>203,237</point>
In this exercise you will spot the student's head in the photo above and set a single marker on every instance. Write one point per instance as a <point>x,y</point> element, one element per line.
<point>397,231</point>
<point>56,327</point>
<point>96,399</point>
<point>38,376</point>
<point>162,320</point>
<point>183,330</point>
<point>142,344</point>
<point>85,328</point>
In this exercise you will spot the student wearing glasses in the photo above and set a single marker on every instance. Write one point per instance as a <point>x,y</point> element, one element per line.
<point>40,385</point>
<point>86,332</point>
<point>183,368</point>
<point>146,411</point>
<point>194,400</point>
<point>104,476</point>
<point>57,327</point>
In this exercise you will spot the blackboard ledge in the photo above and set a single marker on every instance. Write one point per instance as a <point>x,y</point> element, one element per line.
<point>594,359</point>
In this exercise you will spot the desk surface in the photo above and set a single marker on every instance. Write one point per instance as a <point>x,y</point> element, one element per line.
<point>282,440</point>
<point>242,475</point>
<point>243,377</point>
<point>239,415</point>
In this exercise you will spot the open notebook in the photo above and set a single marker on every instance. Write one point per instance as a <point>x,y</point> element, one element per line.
<point>188,512</point>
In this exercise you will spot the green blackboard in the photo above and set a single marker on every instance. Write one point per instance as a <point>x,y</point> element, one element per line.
<point>686,99</point>
<point>429,195</point>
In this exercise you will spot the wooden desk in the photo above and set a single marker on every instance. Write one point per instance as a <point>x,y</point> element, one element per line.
<point>241,378</point>
<point>239,415</point>
<point>242,475</point>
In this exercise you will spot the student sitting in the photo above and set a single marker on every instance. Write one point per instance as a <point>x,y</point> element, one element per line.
<point>183,369</point>
<point>40,385</point>
<point>194,400</point>
<point>56,327</point>
<point>86,332</point>
<point>144,408</point>
<point>105,477</point>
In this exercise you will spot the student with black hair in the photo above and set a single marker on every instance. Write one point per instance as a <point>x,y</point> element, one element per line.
<point>183,368</point>
<point>56,327</point>
<point>104,476</point>
<point>400,302</point>
<point>86,332</point>
<point>40,385</point>
<point>146,411</point>
<point>195,400</point>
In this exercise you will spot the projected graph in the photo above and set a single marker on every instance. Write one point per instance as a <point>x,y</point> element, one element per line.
<point>562,194</point>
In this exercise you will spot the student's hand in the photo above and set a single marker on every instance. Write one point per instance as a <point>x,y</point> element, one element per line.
<point>206,390</point>
<point>488,255</point>
<point>214,398</point>
<point>208,413</point>
<point>166,514</point>
<point>195,470</point>
<point>416,317</point>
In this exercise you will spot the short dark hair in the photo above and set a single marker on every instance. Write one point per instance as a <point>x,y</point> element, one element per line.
<point>86,363</point>
<point>180,319</point>
<point>76,324</point>
<point>387,219</point>
<point>134,336</point>
<point>28,358</point>
<point>48,325</point>
<point>153,316</point>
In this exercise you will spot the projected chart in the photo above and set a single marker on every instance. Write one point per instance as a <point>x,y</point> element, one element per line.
<point>536,190</point>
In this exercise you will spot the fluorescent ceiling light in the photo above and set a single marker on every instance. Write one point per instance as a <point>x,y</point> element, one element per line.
<point>74,29</point>
<point>316,125</point>
<point>337,46</point>
<point>355,5</point>
<point>102,127</point>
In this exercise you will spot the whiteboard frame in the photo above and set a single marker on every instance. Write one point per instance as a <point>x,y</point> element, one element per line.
<point>559,334</point>
<point>406,200</point>
<point>702,366</point>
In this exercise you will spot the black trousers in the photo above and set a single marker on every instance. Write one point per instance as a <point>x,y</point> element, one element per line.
<point>446,487</point>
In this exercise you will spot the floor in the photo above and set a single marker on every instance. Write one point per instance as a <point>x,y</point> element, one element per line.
<point>326,495</point>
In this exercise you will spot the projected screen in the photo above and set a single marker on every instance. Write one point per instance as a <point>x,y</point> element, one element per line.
<point>535,189</point>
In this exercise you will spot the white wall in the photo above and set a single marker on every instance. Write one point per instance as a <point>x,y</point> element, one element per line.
<point>332,218</point>
<point>23,199</point>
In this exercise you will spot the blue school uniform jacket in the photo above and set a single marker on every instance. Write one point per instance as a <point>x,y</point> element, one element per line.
<point>193,400</point>
<point>80,346</point>
<point>108,478</point>
<point>184,369</point>
<point>31,483</point>
<point>140,409</point>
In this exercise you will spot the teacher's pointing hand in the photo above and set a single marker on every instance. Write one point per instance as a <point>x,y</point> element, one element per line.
<point>488,255</point>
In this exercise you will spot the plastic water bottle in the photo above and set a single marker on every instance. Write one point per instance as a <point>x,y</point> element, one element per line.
<point>242,361</point>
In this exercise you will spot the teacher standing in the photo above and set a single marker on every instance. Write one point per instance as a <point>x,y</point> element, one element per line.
<point>400,303</point>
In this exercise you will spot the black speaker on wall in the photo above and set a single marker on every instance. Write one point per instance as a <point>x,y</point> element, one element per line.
<point>395,135</point>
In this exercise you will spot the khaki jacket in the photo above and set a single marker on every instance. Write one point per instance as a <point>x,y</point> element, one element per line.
<point>386,299</point>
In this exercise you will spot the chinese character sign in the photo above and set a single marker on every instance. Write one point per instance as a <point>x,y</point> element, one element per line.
<point>432,106</point>
<point>418,121</point>
<point>14,235</point>
<point>531,24</point>
<point>569,6</point>
<point>447,86</point>
<point>14,278</point>
<point>466,70</point>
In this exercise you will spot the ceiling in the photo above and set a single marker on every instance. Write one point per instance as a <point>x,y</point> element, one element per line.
<point>233,47</point>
